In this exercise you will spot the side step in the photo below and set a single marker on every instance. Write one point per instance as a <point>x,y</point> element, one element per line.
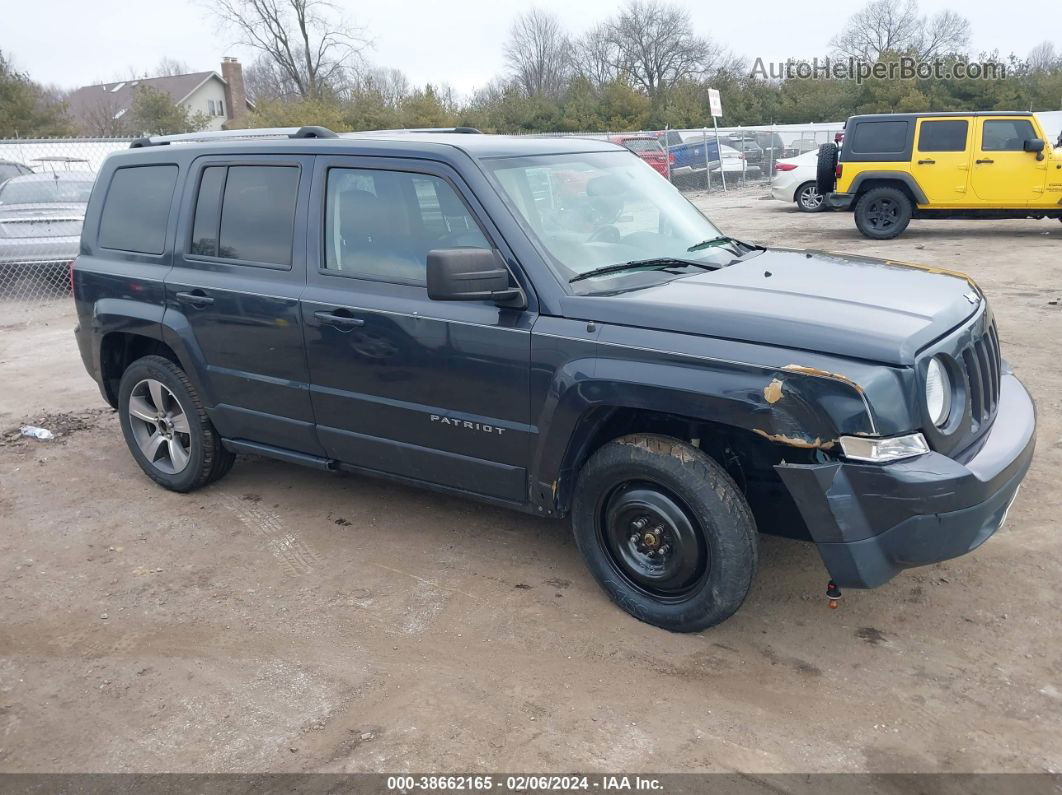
<point>279,453</point>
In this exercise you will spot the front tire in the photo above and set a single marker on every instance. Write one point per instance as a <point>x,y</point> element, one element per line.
<point>808,199</point>
<point>665,532</point>
<point>167,429</point>
<point>883,213</point>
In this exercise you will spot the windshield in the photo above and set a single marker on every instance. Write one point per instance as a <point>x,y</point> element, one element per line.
<point>596,209</point>
<point>38,191</point>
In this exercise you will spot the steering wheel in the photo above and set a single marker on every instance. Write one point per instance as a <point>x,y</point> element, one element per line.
<point>605,234</point>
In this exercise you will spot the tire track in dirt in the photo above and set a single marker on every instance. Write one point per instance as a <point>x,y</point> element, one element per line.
<point>296,556</point>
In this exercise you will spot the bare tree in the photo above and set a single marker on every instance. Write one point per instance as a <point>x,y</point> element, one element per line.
<point>889,26</point>
<point>595,57</point>
<point>390,85</point>
<point>538,54</point>
<point>170,67</point>
<point>263,79</point>
<point>103,117</point>
<point>654,45</point>
<point>306,42</point>
<point>1042,57</point>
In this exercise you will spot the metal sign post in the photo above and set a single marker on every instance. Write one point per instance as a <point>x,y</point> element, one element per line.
<point>716,106</point>
<point>707,163</point>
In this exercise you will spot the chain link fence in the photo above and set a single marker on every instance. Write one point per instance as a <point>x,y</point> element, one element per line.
<point>45,184</point>
<point>44,188</point>
<point>707,159</point>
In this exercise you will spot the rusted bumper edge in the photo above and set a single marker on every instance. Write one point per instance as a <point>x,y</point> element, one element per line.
<point>870,521</point>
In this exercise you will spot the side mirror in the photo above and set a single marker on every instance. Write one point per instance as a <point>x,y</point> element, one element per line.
<point>1035,145</point>
<point>471,274</point>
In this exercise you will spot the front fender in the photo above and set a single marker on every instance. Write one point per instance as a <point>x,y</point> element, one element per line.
<point>799,406</point>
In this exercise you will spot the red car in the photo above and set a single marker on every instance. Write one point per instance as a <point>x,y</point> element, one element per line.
<point>648,148</point>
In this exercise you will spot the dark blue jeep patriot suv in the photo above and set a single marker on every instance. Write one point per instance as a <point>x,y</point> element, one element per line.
<point>546,324</point>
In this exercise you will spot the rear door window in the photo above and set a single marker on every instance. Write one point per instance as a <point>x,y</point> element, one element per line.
<point>136,210</point>
<point>246,213</point>
<point>943,136</point>
<point>880,137</point>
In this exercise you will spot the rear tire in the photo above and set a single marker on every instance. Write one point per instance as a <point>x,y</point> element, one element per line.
<point>883,213</point>
<point>665,532</point>
<point>167,429</point>
<point>808,199</point>
<point>826,170</point>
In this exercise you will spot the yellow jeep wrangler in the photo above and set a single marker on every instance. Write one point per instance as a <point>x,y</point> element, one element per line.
<point>894,167</point>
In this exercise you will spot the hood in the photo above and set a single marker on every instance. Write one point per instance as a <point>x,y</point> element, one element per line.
<point>857,307</point>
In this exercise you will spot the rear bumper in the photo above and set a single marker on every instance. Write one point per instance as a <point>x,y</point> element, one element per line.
<point>871,521</point>
<point>840,201</point>
<point>785,193</point>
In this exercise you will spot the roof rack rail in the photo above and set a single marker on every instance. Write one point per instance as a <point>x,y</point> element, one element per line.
<point>465,130</point>
<point>222,135</point>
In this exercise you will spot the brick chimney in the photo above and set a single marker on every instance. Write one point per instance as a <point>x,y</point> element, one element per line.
<point>235,96</point>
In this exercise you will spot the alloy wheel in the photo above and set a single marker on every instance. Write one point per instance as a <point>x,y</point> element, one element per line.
<point>810,198</point>
<point>160,426</point>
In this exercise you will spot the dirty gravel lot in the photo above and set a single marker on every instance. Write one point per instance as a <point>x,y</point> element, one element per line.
<point>284,620</point>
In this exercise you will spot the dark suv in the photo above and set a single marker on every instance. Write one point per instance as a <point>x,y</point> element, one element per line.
<point>548,325</point>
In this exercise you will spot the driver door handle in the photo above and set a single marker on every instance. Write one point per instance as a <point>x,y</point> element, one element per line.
<point>344,322</point>
<point>927,162</point>
<point>981,162</point>
<point>196,298</point>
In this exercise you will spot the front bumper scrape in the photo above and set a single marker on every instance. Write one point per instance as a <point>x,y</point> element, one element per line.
<point>871,521</point>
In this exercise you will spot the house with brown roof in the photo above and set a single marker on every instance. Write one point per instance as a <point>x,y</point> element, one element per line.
<point>99,109</point>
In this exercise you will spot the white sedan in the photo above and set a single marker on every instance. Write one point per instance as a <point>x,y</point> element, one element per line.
<point>794,181</point>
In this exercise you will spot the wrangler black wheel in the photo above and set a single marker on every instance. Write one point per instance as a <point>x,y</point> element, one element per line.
<point>883,213</point>
<point>665,531</point>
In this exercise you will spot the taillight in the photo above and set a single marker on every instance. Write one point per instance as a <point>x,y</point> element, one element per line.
<point>784,166</point>
<point>838,138</point>
<point>837,171</point>
<point>70,274</point>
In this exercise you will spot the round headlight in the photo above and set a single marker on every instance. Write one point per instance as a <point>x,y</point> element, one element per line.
<point>938,391</point>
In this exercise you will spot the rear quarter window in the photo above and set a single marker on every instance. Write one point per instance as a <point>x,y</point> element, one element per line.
<point>136,210</point>
<point>943,136</point>
<point>879,137</point>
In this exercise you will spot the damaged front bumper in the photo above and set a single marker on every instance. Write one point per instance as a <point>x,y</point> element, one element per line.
<point>870,521</point>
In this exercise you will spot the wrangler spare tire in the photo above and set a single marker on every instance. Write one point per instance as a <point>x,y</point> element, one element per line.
<point>826,172</point>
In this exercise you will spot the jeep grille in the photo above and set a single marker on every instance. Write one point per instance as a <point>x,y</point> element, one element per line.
<point>981,362</point>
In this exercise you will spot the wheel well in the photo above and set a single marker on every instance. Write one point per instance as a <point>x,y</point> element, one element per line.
<point>118,350</point>
<point>903,187</point>
<point>748,458</point>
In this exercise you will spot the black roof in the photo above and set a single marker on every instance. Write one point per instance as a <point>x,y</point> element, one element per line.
<point>928,114</point>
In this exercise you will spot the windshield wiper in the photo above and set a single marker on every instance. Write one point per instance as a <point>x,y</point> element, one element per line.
<point>722,240</point>
<point>656,262</point>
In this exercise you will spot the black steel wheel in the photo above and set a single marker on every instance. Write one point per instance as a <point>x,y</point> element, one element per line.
<point>665,532</point>
<point>652,540</point>
<point>883,213</point>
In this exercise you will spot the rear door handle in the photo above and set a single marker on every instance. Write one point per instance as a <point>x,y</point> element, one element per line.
<point>343,322</point>
<point>981,162</point>
<point>196,298</point>
<point>927,162</point>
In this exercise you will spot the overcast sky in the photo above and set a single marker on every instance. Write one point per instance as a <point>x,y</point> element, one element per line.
<point>79,42</point>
